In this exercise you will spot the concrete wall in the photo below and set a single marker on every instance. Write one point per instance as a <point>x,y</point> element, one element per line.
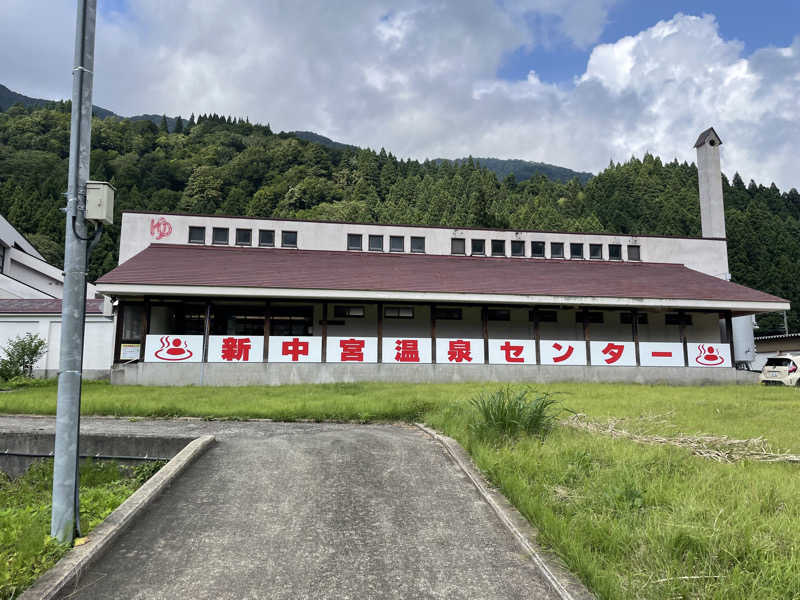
<point>215,374</point>
<point>98,351</point>
<point>139,230</point>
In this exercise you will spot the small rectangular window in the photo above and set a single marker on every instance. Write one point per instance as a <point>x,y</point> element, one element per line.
<point>614,252</point>
<point>596,251</point>
<point>537,249</point>
<point>197,235</point>
<point>376,243</point>
<point>545,316</point>
<point>556,250</point>
<point>498,314</point>
<point>354,241</point>
<point>288,239</point>
<point>594,316</point>
<point>626,318</point>
<point>498,247</point>
<point>219,235</point>
<point>634,253</point>
<point>576,250</point>
<point>458,246</point>
<point>517,248</point>
<point>675,319</point>
<point>447,314</point>
<point>398,312</point>
<point>340,312</point>
<point>266,237</point>
<point>244,237</point>
<point>418,244</point>
<point>397,243</point>
<point>478,247</point>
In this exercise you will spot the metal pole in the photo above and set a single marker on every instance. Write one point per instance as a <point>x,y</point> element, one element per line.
<point>65,514</point>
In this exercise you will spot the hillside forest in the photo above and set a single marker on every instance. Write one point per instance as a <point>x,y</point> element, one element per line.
<point>223,165</point>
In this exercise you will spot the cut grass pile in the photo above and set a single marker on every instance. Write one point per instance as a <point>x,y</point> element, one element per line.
<point>632,520</point>
<point>26,548</point>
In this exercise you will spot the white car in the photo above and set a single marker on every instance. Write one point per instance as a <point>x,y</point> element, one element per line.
<point>781,370</point>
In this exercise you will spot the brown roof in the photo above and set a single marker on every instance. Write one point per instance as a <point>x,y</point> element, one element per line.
<point>183,265</point>
<point>43,306</point>
<point>703,138</point>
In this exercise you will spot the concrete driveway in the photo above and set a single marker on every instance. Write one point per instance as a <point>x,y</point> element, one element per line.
<point>277,510</point>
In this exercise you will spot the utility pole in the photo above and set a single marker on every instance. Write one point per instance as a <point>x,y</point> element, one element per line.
<point>65,514</point>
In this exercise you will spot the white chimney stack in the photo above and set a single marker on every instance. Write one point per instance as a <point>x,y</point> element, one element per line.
<point>709,177</point>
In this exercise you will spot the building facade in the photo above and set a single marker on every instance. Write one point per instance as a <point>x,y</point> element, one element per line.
<point>232,300</point>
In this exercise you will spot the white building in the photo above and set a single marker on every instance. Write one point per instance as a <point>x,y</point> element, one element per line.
<point>30,302</point>
<point>298,301</point>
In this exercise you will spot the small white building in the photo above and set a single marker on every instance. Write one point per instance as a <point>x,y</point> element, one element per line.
<point>30,302</point>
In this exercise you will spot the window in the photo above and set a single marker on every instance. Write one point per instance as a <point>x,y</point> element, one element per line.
<point>289,239</point>
<point>537,249</point>
<point>458,246</point>
<point>594,316</point>
<point>447,314</point>
<point>266,237</point>
<point>341,312</point>
<point>397,243</point>
<point>517,248</point>
<point>354,241</point>
<point>291,320</point>
<point>244,237</point>
<point>418,244</point>
<point>576,250</point>
<point>478,247</point>
<point>596,251</point>
<point>219,236</point>
<point>545,316</point>
<point>376,243</point>
<point>498,247</point>
<point>197,235</point>
<point>556,250</point>
<point>614,252</point>
<point>634,253</point>
<point>675,319</point>
<point>232,319</point>
<point>498,314</point>
<point>398,312</point>
<point>626,318</point>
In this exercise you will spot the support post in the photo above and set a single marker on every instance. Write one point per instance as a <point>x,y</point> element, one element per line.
<point>682,333</point>
<point>587,337</point>
<point>635,333</point>
<point>324,332</point>
<point>485,324</point>
<point>267,322</point>
<point>118,331</point>
<point>537,335</point>
<point>206,331</point>
<point>433,334</point>
<point>145,327</point>
<point>729,335</point>
<point>65,512</point>
<point>380,332</point>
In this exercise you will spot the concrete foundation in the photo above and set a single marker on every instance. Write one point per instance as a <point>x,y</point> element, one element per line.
<point>283,374</point>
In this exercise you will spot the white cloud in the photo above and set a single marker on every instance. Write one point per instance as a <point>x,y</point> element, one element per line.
<point>420,79</point>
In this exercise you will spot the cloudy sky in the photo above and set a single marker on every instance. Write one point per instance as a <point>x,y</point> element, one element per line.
<point>571,82</point>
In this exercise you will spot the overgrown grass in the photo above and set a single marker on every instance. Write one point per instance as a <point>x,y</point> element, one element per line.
<point>26,549</point>
<point>506,413</point>
<point>632,521</point>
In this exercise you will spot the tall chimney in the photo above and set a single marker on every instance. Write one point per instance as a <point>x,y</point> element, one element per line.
<point>709,177</point>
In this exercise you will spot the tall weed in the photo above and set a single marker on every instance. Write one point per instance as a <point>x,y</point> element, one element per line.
<point>508,413</point>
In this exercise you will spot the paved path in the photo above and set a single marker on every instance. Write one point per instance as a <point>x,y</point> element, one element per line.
<point>278,510</point>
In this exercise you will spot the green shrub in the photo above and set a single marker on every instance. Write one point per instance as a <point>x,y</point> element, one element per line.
<point>508,413</point>
<point>21,353</point>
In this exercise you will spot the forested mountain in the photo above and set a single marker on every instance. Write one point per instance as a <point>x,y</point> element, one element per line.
<point>230,166</point>
<point>525,169</point>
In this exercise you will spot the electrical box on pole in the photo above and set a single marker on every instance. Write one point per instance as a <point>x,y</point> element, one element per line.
<point>100,202</point>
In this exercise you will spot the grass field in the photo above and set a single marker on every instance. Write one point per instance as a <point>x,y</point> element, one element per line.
<point>26,549</point>
<point>633,521</point>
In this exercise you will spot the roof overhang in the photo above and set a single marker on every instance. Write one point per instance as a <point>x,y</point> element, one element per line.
<point>738,307</point>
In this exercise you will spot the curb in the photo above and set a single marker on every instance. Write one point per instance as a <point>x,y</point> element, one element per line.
<point>69,569</point>
<point>565,585</point>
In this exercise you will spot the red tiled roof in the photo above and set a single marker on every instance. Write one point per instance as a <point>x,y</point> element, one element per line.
<point>43,306</point>
<point>184,265</point>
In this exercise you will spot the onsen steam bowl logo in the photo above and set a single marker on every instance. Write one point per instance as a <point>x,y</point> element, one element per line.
<point>176,349</point>
<point>708,356</point>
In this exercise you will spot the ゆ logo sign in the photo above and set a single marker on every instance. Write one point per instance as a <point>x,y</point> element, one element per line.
<point>160,229</point>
